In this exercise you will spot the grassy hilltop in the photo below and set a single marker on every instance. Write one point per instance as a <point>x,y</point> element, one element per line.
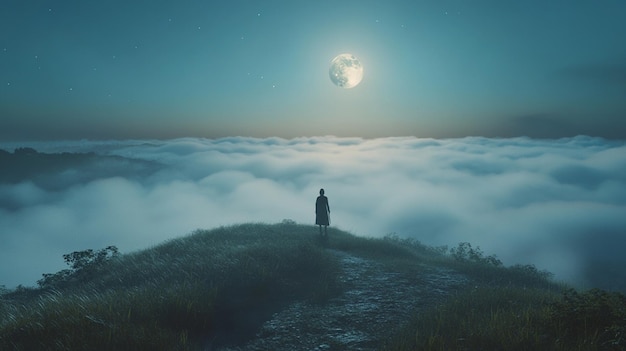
<point>216,287</point>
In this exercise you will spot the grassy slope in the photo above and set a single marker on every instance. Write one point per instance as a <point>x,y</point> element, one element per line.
<point>218,286</point>
<point>176,295</point>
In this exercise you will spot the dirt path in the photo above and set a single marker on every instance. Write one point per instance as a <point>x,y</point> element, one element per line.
<point>376,301</point>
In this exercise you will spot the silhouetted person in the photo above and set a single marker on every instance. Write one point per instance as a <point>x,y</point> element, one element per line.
<point>322,211</point>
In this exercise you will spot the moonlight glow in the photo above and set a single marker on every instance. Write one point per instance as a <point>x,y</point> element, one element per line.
<point>346,71</point>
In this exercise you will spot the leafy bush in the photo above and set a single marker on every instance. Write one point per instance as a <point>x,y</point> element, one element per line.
<point>465,252</point>
<point>81,263</point>
<point>490,270</point>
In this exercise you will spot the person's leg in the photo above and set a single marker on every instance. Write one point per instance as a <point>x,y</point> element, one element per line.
<point>326,230</point>
<point>320,229</point>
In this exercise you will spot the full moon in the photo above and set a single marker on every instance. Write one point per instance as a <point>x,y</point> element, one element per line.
<point>345,71</point>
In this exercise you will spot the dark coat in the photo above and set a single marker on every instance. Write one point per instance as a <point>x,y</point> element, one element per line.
<point>321,211</point>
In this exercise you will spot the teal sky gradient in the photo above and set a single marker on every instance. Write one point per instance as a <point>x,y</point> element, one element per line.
<point>159,69</point>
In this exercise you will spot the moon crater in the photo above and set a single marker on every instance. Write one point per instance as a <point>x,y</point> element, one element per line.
<point>346,71</point>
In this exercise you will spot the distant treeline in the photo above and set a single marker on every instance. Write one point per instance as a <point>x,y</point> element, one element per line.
<point>45,169</point>
<point>26,163</point>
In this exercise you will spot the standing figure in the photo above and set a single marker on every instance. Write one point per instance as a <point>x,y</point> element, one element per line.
<point>322,212</point>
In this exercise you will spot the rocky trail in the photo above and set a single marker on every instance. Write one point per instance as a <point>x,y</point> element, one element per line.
<point>375,302</point>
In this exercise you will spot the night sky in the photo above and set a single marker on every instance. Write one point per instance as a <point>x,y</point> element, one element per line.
<point>500,123</point>
<point>115,69</point>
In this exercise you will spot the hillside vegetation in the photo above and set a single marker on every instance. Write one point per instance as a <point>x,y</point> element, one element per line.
<point>215,288</point>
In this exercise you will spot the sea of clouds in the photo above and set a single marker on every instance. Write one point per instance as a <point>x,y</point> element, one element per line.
<point>558,204</point>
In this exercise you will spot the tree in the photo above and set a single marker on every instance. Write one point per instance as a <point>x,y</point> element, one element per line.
<point>82,263</point>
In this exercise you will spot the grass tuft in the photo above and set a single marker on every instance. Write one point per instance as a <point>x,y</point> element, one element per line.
<point>481,318</point>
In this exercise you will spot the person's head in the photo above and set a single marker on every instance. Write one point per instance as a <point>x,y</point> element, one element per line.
<point>321,191</point>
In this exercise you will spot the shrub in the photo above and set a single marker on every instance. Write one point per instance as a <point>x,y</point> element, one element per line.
<point>465,252</point>
<point>81,263</point>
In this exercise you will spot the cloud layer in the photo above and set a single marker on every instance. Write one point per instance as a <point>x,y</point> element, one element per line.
<point>559,204</point>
